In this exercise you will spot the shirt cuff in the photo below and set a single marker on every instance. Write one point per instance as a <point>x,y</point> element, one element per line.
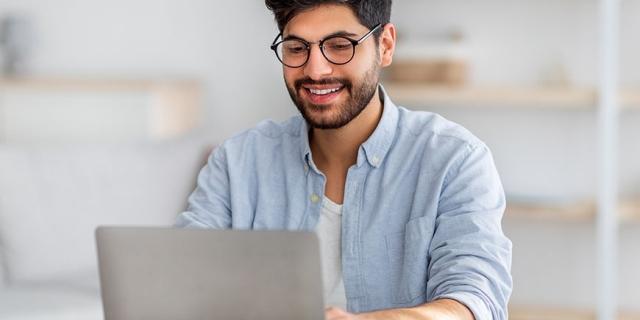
<point>472,302</point>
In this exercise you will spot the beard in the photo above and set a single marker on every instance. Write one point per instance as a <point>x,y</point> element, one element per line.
<point>360,94</point>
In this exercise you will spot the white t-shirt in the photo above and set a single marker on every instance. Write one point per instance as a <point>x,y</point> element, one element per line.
<point>329,231</point>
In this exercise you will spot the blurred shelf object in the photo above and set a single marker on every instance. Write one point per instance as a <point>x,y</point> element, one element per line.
<point>629,211</point>
<point>428,72</point>
<point>545,313</point>
<point>630,99</point>
<point>418,94</point>
<point>96,110</point>
<point>581,211</point>
<point>434,57</point>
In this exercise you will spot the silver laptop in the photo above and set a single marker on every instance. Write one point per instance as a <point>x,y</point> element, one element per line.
<point>165,273</point>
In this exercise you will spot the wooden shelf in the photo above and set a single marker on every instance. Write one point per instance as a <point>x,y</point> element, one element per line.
<point>502,97</point>
<point>630,99</point>
<point>575,212</point>
<point>54,110</point>
<point>95,84</point>
<point>585,211</point>
<point>629,211</point>
<point>529,313</point>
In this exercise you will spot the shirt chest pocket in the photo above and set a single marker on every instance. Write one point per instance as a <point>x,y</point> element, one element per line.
<point>408,260</point>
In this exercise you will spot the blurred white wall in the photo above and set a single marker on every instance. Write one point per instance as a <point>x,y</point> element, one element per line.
<point>226,44</point>
<point>223,43</point>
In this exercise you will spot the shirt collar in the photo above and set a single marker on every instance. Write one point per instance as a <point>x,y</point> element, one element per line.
<point>379,143</point>
<point>376,147</point>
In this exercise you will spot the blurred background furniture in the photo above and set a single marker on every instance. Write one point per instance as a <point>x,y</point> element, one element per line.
<point>48,110</point>
<point>77,154</point>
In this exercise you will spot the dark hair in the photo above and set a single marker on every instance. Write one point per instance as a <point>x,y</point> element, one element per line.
<point>369,12</point>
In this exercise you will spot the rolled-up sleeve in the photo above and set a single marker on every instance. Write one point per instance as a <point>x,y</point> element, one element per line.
<point>209,204</point>
<point>470,257</point>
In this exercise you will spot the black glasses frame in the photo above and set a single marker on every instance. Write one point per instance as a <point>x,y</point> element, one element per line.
<point>354,43</point>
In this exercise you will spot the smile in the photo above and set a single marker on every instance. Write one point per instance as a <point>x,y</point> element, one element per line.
<point>322,95</point>
<point>324,91</point>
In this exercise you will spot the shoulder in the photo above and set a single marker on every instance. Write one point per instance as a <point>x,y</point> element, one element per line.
<point>264,137</point>
<point>436,130</point>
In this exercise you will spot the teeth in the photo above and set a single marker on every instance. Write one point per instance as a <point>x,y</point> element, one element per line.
<point>325,91</point>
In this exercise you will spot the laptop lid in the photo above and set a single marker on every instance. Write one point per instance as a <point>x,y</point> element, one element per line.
<point>167,273</point>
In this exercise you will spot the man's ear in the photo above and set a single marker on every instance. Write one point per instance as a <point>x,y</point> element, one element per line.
<point>387,44</point>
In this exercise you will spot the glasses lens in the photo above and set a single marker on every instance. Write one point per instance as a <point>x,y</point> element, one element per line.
<point>338,50</point>
<point>292,52</point>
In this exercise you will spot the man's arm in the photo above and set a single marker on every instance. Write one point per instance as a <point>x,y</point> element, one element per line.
<point>444,309</point>
<point>469,258</point>
<point>209,204</point>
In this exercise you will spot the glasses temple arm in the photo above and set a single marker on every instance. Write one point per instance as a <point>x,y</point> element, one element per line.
<point>274,40</point>
<point>369,33</point>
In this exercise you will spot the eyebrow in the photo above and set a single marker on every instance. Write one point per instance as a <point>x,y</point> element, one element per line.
<point>340,33</point>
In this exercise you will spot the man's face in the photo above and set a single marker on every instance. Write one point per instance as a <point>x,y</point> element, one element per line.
<point>328,95</point>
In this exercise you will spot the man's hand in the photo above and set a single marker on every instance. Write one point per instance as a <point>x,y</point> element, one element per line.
<point>333,313</point>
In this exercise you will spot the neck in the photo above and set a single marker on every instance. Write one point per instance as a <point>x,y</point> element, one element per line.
<point>339,147</point>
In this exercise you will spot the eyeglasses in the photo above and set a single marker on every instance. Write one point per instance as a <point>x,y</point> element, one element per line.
<point>294,53</point>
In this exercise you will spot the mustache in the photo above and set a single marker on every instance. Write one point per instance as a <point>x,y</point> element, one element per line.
<point>326,81</point>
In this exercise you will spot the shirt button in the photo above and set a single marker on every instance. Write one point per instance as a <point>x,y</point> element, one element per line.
<point>315,198</point>
<point>375,160</point>
<point>306,168</point>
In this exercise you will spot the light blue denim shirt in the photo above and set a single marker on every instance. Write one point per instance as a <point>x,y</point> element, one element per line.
<point>422,208</point>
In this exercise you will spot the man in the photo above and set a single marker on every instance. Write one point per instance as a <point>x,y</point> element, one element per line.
<point>407,205</point>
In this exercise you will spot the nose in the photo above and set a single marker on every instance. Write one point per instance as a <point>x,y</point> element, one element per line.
<point>317,66</point>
